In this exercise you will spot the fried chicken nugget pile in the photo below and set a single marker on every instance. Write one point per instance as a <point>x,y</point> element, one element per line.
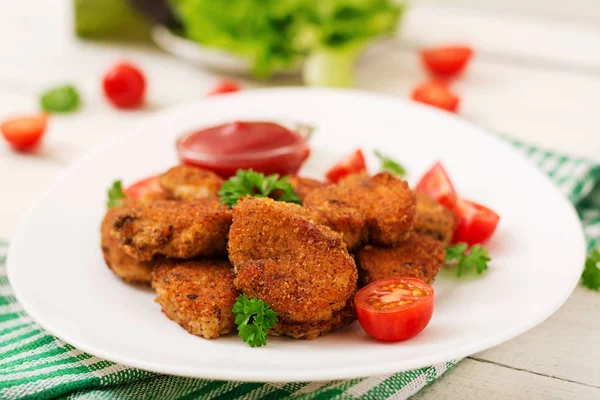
<point>294,258</point>
<point>197,294</point>
<point>171,228</point>
<point>378,209</point>
<point>420,257</point>
<point>302,269</point>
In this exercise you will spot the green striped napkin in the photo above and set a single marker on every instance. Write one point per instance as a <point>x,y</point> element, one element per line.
<point>34,364</point>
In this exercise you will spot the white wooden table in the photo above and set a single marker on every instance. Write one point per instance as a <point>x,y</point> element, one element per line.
<point>538,80</point>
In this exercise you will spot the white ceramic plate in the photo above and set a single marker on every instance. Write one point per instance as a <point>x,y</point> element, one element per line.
<point>56,268</point>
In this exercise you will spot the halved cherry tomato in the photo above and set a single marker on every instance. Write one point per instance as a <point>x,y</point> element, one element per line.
<point>394,309</point>
<point>436,94</point>
<point>125,85</point>
<point>24,133</point>
<point>147,187</point>
<point>447,61</point>
<point>225,86</point>
<point>352,164</point>
<point>437,184</point>
<point>476,223</point>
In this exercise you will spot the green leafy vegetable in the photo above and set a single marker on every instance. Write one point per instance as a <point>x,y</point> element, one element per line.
<point>590,277</point>
<point>280,34</point>
<point>455,252</point>
<point>475,258</point>
<point>266,32</point>
<point>248,182</point>
<point>115,194</point>
<point>387,164</point>
<point>341,30</point>
<point>253,318</point>
<point>61,99</point>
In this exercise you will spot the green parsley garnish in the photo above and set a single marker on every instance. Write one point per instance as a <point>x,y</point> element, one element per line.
<point>253,318</point>
<point>590,278</point>
<point>250,183</point>
<point>475,258</point>
<point>389,165</point>
<point>115,194</point>
<point>61,99</point>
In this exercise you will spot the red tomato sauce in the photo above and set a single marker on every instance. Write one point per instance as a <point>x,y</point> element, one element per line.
<point>265,147</point>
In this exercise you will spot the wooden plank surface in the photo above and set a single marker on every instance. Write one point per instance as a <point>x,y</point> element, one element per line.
<point>565,346</point>
<point>476,380</point>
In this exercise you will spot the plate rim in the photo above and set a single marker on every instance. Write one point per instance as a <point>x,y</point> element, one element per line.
<point>357,371</point>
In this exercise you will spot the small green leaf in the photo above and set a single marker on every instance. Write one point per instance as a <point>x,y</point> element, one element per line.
<point>253,318</point>
<point>473,259</point>
<point>455,252</point>
<point>250,183</point>
<point>115,194</point>
<point>389,165</point>
<point>62,99</point>
<point>590,277</point>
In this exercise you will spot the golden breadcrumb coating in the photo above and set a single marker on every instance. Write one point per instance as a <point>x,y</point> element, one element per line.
<point>177,229</point>
<point>385,203</point>
<point>303,186</point>
<point>284,257</point>
<point>190,183</point>
<point>197,294</point>
<point>342,218</point>
<point>123,265</point>
<point>420,257</point>
<point>312,330</point>
<point>433,219</point>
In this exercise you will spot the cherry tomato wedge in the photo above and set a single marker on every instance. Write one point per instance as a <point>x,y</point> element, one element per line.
<point>437,184</point>
<point>125,85</point>
<point>476,223</point>
<point>147,187</point>
<point>24,133</point>
<point>436,94</point>
<point>352,164</point>
<point>447,61</point>
<point>394,309</point>
<point>225,86</point>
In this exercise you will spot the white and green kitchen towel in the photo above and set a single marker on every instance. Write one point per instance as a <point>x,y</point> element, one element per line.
<point>36,365</point>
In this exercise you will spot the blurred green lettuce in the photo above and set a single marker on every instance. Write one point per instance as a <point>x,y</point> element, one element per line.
<point>327,35</point>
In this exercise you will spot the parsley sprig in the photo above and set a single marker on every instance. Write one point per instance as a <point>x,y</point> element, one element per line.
<point>389,165</point>
<point>466,260</point>
<point>590,278</point>
<point>115,194</point>
<point>253,318</point>
<point>62,99</point>
<point>249,182</point>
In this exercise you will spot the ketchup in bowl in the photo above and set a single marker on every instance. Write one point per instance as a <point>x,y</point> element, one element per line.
<point>265,147</point>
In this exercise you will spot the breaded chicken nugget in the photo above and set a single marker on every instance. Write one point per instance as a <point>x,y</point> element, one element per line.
<point>190,183</point>
<point>123,265</point>
<point>385,202</point>
<point>312,330</point>
<point>303,186</point>
<point>420,257</point>
<point>285,258</point>
<point>197,294</point>
<point>342,217</point>
<point>433,219</point>
<point>177,229</point>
